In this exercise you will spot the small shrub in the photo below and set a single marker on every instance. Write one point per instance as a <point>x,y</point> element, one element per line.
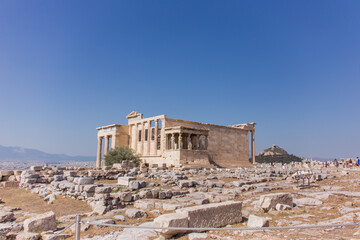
<point>115,190</point>
<point>119,154</point>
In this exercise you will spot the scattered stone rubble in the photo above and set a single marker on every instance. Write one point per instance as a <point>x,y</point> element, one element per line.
<point>169,197</point>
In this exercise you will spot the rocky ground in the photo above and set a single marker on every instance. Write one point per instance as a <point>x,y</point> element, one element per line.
<point>38,203</point>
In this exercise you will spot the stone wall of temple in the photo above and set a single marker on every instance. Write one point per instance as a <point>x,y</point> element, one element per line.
<point>227,147</point>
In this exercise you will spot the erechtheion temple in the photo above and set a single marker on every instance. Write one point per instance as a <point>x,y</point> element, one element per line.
<point>162,140</point>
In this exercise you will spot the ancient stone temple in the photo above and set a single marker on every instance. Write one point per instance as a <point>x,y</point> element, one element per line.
<point>162,140</point>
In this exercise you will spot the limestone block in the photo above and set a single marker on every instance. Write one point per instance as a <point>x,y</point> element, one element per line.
<point>146,194</point>
<point>36,168</point>
<point>100,209</point>
<point>126,196</point>
<point>144,204</point>
<point>5,228</point>
<point>119,218</point>
<point>134,185</point>
<point>69,173</point>
<point>58,178</point>
<point>280,207</point>
<point>27,236</point>
<point>6,173</point>
<point>51,198</point>
<point>85,181</point>
<point>171,206</point>
<point>185,183</point>
<point>90,188</point>
<point>41,222</point>
<point>101,196</point>
<point>6,216</point>
<point>103,190</point>
<point>155,193</point>
<point>12,178</point>
<point>29,174</point>
<point>162,195</point>
<point>307,202</point>
<point>124,181</point>
<point>269,201</point>
<point>213,215</point>
<point>256,221</point>
<point>135,213</point>
<point>171,220</point>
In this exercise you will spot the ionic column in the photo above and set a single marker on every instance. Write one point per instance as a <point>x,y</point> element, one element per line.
<point>197,142</point>
<point>113,138</point>
<point>136,137</point>
<point>106,147</point>
<point>130,136</point>
<point>172,141</point>
<point>98,153</point>
<point>163,139</point>
<point>156,136</point>
<point>206,142</point>
<point>180,141</point>
<point>149,138</point>
<point>253,146</point>
<point>142,137</point>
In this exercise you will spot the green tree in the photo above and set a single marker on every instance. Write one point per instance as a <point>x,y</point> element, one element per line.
<point>119,154</point>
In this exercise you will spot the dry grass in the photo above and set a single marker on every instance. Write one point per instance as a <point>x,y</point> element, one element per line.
<point>16,197</point>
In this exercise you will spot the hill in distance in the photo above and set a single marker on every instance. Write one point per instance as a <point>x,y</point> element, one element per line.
<point>19,154</point>
<point>276,154</point>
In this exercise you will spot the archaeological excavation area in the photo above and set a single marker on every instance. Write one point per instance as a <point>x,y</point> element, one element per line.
<point>42,202</point>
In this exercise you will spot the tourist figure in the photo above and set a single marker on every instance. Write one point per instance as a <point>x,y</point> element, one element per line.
<point>358,161</point>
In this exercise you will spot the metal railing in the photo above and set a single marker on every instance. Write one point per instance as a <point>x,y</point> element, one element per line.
<point>78,223</point>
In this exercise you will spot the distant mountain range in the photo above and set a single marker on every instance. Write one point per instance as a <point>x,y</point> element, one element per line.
<point>19,154</point>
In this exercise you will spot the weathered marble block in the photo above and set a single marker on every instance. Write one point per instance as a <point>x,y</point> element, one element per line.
<point>124,181</point>
<point>213,215</point>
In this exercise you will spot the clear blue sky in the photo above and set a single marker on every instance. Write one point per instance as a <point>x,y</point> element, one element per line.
<point>67,67</point>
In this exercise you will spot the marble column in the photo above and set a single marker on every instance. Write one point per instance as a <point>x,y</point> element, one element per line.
<point>156,136</point>
<point>98,155</point>
<point>135,137</point>
<point>142,137</point>
<point>148,138</point>
<point>106,147</point>
<point>113,138</point>
<point>253,146</point>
